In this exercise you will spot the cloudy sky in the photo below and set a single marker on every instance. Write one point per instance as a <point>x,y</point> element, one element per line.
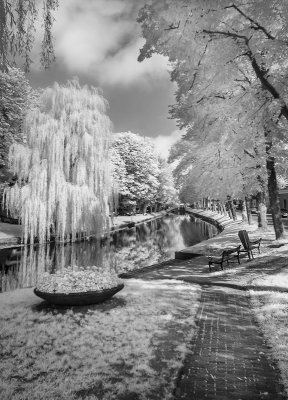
<point>99,41</point>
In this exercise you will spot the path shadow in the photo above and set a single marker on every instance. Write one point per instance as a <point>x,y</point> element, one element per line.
<point>106,306</point>
<point>235,276</point>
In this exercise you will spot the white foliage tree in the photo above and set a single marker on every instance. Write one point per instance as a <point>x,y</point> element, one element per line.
<point>16,97</point>
<point>224,53</point>
<point>142,169</point>
<point>63,172</point>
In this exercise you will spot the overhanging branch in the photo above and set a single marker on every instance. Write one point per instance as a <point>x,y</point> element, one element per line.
<point>259,71</point>
<point>256,26</point>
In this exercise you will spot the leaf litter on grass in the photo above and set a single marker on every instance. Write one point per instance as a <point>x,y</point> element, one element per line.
<point>129,347</point>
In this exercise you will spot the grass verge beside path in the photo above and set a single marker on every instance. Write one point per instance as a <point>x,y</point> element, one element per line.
<point>130,347</point>
<point>271,309</point>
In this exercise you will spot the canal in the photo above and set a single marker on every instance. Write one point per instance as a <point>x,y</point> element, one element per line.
<point>145,244</point>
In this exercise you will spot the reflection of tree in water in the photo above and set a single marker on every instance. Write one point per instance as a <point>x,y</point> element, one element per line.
<point>143,245</point>
<point>32,261</point>
<point>9,263</point>
<point>152,242</point>
<point>196,231</point>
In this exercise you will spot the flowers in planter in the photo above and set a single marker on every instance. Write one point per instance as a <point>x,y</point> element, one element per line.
<point>78,280</point>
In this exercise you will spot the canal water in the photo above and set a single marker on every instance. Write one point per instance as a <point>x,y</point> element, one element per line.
<point>145,244</point>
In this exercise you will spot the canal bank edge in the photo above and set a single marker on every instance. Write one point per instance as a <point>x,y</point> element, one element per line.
<point>227,236</point>
<point>10,234</point>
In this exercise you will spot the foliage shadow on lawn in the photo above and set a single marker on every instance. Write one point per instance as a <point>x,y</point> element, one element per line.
<point>104,307</point>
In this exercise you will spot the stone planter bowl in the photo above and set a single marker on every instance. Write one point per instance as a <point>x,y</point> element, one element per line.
<point>79,299</point>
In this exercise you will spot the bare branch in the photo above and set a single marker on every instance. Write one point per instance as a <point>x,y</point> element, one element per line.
<point>198,65</point>
<point>260,73</point>
<point>256,112</point>
<point>248,153</point>
<point>227,34</point>
<point>172,26</point>
<point>256,26</point>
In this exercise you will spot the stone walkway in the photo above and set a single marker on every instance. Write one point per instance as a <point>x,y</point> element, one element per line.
<point>227,359</point>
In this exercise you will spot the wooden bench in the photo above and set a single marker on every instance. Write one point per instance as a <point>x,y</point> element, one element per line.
<point>249,245</point>
<point>227,255</point>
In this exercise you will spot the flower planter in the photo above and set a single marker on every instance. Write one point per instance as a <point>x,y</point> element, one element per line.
<point>79,299</point>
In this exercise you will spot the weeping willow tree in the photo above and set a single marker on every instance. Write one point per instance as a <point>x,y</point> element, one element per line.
<point>63,175</point>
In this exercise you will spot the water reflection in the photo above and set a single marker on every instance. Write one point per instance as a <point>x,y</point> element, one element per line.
<point>145,244</point>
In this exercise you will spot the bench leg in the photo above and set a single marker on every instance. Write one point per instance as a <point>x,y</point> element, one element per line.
<point>238,257</point>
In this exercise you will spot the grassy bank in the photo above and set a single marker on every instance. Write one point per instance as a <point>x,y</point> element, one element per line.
<point>130,347</point>
<point>271,310</point>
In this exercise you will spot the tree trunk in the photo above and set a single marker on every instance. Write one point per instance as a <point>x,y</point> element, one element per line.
<point>274,198</point>
<point>223,209</point>
<point>229,210</point>
<point>248,210</point>
<point>262,210</point>
<point>243,211</point>
<point>145,205</point>
<point>232,210</point>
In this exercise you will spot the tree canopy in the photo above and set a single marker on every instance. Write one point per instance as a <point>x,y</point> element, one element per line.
<point>145,179</point>
<point>229,60</point>
<point>16,98</point>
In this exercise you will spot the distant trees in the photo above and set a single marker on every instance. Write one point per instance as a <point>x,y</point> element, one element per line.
<point>229,62</point>
<point>145,179</point>
<point>18,20</point>
<point>166,194</point>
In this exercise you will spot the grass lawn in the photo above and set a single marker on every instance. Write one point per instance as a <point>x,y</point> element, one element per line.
<point>130,347</point>
<point>271,310</point>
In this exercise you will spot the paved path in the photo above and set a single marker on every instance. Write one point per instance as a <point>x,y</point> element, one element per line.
<point>228,358</point>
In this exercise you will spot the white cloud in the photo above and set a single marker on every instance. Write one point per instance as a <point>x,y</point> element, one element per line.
<point>164,143</point>
<point>102,39</point>
<point>124,69</point>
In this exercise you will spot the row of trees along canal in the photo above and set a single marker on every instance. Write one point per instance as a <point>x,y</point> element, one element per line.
<point>229,60</point>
